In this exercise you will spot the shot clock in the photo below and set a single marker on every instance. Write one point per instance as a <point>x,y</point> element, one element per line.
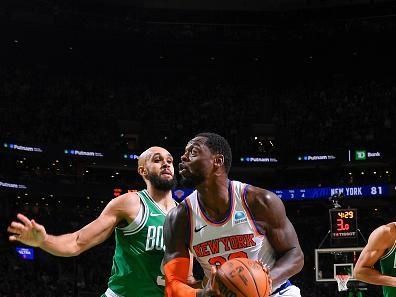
<point>343,223</point>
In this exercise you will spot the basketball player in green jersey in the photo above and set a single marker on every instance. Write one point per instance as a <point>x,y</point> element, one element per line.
<point>381,247</point>
<point>137,219</point>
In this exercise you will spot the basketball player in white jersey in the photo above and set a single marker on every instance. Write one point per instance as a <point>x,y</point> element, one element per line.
<point>226,219</point>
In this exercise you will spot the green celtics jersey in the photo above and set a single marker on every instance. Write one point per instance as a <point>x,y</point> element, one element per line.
<point>139,250</point>
<point>388,267</point>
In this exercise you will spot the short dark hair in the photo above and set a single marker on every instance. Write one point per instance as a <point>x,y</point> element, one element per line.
<point>217,144</point>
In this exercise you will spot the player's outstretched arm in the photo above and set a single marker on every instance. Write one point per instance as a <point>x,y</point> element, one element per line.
<point>177,257</point>
<point>31,233</point>
<point>269,212</point>
<point>27,231</point>
<point>379,241</point>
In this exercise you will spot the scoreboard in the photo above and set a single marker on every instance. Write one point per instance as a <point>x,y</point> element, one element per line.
<point>318,193</point>
<point>343,223</point>
<point>326,192</point>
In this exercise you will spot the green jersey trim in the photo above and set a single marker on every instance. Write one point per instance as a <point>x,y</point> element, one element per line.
<point>390,251</point>
<point>147,195</point>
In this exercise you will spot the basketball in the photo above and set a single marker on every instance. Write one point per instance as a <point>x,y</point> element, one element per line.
<point>243,277</point>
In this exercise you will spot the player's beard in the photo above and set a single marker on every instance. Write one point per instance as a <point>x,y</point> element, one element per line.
<point>162,184</point>
<point>191,181</point>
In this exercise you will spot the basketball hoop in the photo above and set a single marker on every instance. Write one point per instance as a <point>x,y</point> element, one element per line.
<point>342,280</point>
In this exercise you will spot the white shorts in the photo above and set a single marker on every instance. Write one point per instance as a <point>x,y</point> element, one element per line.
<point>290,291</point>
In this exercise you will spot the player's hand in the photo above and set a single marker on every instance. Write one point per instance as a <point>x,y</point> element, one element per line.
<point>27,231</point>
<point>211,288</point>
<point>193,282</point>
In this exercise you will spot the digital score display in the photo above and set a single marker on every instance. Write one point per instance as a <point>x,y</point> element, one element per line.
<point>343,223</point>
<point>325,192</point>
<point>299,194</point>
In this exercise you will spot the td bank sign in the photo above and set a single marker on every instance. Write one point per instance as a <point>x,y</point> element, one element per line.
<point>361,155</point>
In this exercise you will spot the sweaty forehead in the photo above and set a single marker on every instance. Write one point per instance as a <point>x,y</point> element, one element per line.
<point>152,152</point>
<point>158,152</point>
<point>197,141</point>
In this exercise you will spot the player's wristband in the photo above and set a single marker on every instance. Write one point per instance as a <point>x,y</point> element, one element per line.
<point>176,273</point>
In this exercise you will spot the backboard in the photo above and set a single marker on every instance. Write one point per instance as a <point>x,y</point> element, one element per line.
<point>332,261</point>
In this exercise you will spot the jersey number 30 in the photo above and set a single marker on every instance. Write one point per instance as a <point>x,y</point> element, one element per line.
<point>219,260</point>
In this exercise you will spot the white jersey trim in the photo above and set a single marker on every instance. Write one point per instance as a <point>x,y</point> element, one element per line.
<point>110,293</point>
<point>230,209</point>
<point>389,252</point>
<point>246,207</point>
<point>139,222</point>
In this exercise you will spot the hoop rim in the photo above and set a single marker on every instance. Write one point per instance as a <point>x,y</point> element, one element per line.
<point>342,277</point>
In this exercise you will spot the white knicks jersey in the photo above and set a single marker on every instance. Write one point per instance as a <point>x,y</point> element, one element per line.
<point>213,243</point>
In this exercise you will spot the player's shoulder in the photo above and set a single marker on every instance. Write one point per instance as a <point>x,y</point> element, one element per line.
<point>261,195</point>
<point>127,201</point>
<point>384,235</point>
<point>385,230</point>
<point>180,211</point>
<point>264,204</point>
<point>392,227</point>
<point>177,219</point>
<point>389,230</point>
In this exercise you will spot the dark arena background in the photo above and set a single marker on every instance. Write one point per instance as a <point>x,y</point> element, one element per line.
<point>304,91</point>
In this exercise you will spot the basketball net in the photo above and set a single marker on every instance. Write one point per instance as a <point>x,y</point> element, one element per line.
<point>342,280</point>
